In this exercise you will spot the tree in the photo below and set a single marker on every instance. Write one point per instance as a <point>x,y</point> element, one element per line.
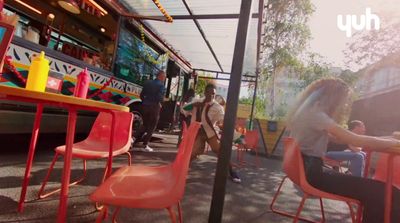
<point>294,79</point>
<point>259,106</point>
<point>202,82</point>
<point>286,37</point>
<point>200,86</point>
<point>368,47</point>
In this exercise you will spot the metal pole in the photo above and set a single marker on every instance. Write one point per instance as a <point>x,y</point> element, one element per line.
<point>260,17</point>
<point>222,79</point>
<point>217,203</point>
<point>211,71</point>
<point>116,44</point>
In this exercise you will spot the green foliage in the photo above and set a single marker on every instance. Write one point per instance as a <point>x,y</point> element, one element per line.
<point>370,46</point>
<point>349,77</point>
<point>286,37</point>
<point>202,83</point>
<point>313,69</point>
<point>300,76</point>
<point>259,110</point>
<point>200,86</point>
<point>285,60</point>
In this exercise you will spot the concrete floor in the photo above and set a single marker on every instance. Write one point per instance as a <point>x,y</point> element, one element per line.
<point>245,202</point>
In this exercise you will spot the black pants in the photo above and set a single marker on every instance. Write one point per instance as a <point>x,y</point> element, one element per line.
<point>368,191</point>
<point>151,114</point>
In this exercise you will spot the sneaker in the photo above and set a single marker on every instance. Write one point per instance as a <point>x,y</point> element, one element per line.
<point>235,177</point>
<point>147,149</point>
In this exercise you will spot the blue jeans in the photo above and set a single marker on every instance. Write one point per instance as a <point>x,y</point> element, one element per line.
<point>356,159</point>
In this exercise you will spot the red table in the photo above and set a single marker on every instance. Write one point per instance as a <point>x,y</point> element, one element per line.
<point>72,105</point>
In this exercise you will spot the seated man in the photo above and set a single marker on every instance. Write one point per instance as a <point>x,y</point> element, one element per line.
<point>350,153</point>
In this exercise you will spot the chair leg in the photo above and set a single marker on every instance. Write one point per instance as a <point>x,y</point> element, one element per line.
<point>114,217</point>
<point>47,176</point>
<point>257,158</point>
<point>41,190</point>
<point>322,209</point>
<point>180,212</point>
<point>97,205</point>
<point>271,206</point>
<point>102,215</point>
<point>129,158</point>
<point>359,213</point>
<point>352,214</point>
<point>172,214</point>
<point>287,214</point>
<point>105,173</point>
<point>303,200</point>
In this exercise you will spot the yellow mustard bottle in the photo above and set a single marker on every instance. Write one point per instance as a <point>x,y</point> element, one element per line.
<point>38,73</point>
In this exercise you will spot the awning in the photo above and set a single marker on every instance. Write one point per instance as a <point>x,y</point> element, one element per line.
<point>203,32</point>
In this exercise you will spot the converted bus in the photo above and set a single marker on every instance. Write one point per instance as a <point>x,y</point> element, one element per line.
<point>119,53</point>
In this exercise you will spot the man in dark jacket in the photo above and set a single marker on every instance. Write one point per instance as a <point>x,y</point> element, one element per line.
<point>152,96</point>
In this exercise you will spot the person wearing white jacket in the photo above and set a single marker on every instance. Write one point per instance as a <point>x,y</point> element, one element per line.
<point>210,114</point>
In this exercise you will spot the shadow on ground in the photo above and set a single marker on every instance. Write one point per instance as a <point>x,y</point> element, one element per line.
<point>245,202</point>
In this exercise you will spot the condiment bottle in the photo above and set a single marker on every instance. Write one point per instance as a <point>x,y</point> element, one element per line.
<point>38,73</point>
<point>82,84</point>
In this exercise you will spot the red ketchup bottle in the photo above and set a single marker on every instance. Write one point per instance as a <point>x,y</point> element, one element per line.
<point>82,84</point>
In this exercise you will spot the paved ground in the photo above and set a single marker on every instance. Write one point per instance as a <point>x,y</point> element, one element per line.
<point>245,202</point>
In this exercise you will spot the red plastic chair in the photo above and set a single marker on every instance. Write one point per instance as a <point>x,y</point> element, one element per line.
<point>381,165</point>
<point>294,168</point>
<point>96,145</point>
<point>251,139</point>
<point>150,187</point>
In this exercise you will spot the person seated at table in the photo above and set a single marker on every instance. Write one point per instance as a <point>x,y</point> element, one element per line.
<point>353,154</point>
<point>316,114</point>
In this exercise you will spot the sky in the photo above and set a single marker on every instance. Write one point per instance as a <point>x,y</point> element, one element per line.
<point>328,40</point>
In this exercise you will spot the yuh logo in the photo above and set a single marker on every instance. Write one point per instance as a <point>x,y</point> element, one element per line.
<point>351,22</point>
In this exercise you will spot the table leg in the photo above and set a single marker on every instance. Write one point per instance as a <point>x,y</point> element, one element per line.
<point>388,189</point>
<point>31,153</point>
<point>112,137</point>
<point>62,208</point>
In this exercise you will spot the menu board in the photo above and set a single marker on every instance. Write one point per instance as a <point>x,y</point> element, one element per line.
<point>135,61</point>
<point>2,32</point>
<point>6,32</point>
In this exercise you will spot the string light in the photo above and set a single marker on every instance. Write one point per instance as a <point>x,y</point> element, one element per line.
<point>163,11</point>
<point>146,51</point>
<point>142,33</point>
<point>102,10</point>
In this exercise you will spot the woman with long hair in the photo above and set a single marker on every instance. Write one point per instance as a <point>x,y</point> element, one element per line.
<point>313,119</point>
